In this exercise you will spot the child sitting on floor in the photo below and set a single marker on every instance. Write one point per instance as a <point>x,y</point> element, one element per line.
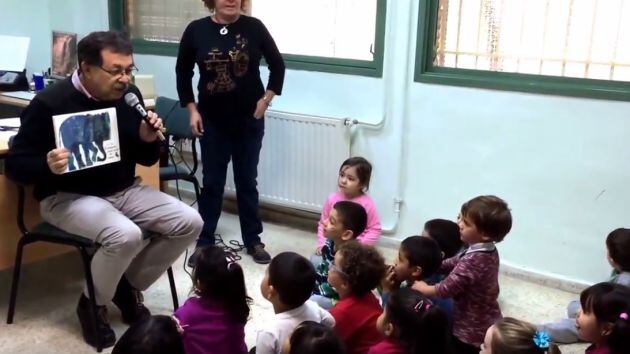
<point>287,284</point>
<point>357,270</point>
<point>346,221</point>
<point>446,234</point>
<point>412,324</point>
<point>604,318</point>
<point>418,258</point>
<point>214,319</point>
<point>512,336</point>
<point>157,334</point>
<point>353,183</point>
<point>313,338</point>
<point>618,245</point>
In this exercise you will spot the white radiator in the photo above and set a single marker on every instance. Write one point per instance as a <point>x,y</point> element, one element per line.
<point>299,160</point>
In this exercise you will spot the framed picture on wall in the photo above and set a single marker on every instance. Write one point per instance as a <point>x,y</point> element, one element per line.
<point>64,54</point>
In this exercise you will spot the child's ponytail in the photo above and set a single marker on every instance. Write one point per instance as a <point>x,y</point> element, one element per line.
<point>218,277</point>
<point>421,326</point>
<point>237,300</point>
<point>619,339</point>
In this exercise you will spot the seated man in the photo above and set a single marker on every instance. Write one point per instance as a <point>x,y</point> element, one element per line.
<point>105,203</point>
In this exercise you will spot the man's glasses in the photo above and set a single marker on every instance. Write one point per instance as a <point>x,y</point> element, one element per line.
<point>119,72</point>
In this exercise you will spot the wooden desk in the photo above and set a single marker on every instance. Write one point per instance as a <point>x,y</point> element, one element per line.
<point>12,101</point>
<point>4,135</point>
<point>9,232</point>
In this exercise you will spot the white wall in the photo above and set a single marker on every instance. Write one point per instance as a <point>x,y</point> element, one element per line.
<point>561,163</point>
<point>38,18</point>
<point>28,18</point>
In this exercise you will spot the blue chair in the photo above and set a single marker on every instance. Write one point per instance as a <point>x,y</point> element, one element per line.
<point>176,121</point>
<point>46,232</point>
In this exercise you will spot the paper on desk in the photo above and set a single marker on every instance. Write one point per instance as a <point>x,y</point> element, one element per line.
<point>18,47</point>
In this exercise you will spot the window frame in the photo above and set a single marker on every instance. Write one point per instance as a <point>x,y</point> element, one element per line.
<point>371,68</point>
<point>426,72</point>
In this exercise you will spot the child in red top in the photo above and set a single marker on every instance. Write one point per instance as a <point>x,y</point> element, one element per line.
<point>412,324</point>
<point>473,276</point>
<point>356,271</point>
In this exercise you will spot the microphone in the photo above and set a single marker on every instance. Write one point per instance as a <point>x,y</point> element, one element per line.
<point>132,100</point>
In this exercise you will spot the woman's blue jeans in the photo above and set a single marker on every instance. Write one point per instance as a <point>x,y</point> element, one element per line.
<point>242,145</point>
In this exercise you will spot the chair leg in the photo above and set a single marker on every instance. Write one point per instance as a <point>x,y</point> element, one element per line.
<point>17,267</point>
<point>87,268</point>
<point>197,193</point>
<point>171,280</point>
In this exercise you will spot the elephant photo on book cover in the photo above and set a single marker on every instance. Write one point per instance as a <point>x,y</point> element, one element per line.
<point>85,132</point>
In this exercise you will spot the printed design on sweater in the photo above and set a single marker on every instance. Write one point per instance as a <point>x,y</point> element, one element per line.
<point>227,66</point>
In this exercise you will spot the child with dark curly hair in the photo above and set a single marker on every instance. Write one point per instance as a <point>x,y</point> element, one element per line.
<point>356,271</point>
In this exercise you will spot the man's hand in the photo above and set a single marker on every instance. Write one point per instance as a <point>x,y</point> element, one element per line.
<point>318,250</point>
<point>148,131</point>
<point>57,160</point>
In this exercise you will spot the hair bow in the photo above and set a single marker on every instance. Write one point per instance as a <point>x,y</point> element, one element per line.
<point>541,339</point>
<point>422,305</point>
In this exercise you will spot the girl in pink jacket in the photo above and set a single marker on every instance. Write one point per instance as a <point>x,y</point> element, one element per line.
<point>353,182</point>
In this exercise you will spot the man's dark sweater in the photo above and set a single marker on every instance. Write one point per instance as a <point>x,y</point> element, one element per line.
<point>26,162</point>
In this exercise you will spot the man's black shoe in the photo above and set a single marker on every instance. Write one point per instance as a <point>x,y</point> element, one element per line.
<point>84,311</point>
<point>259,254</point>
<point>129,301</point>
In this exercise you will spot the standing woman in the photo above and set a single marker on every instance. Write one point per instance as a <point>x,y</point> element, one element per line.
<point>227,47</point>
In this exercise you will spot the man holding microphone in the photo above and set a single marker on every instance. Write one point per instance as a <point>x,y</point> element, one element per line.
<point>105,203</point>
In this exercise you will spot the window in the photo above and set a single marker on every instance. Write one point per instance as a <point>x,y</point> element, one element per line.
<point>333,28</point>
<point>161,20</point>
<point>344,36</point>
<point>573,47</point>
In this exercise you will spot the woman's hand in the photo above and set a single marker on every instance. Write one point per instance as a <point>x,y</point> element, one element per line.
<point>263,103</point>
<point>196,124</point>
<point>261,108</point>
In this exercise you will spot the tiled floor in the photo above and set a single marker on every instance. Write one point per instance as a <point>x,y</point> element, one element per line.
<point>45,320</point>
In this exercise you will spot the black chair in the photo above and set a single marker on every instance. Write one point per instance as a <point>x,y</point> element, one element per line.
<point>46,232</point>
<point>176,121</point>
